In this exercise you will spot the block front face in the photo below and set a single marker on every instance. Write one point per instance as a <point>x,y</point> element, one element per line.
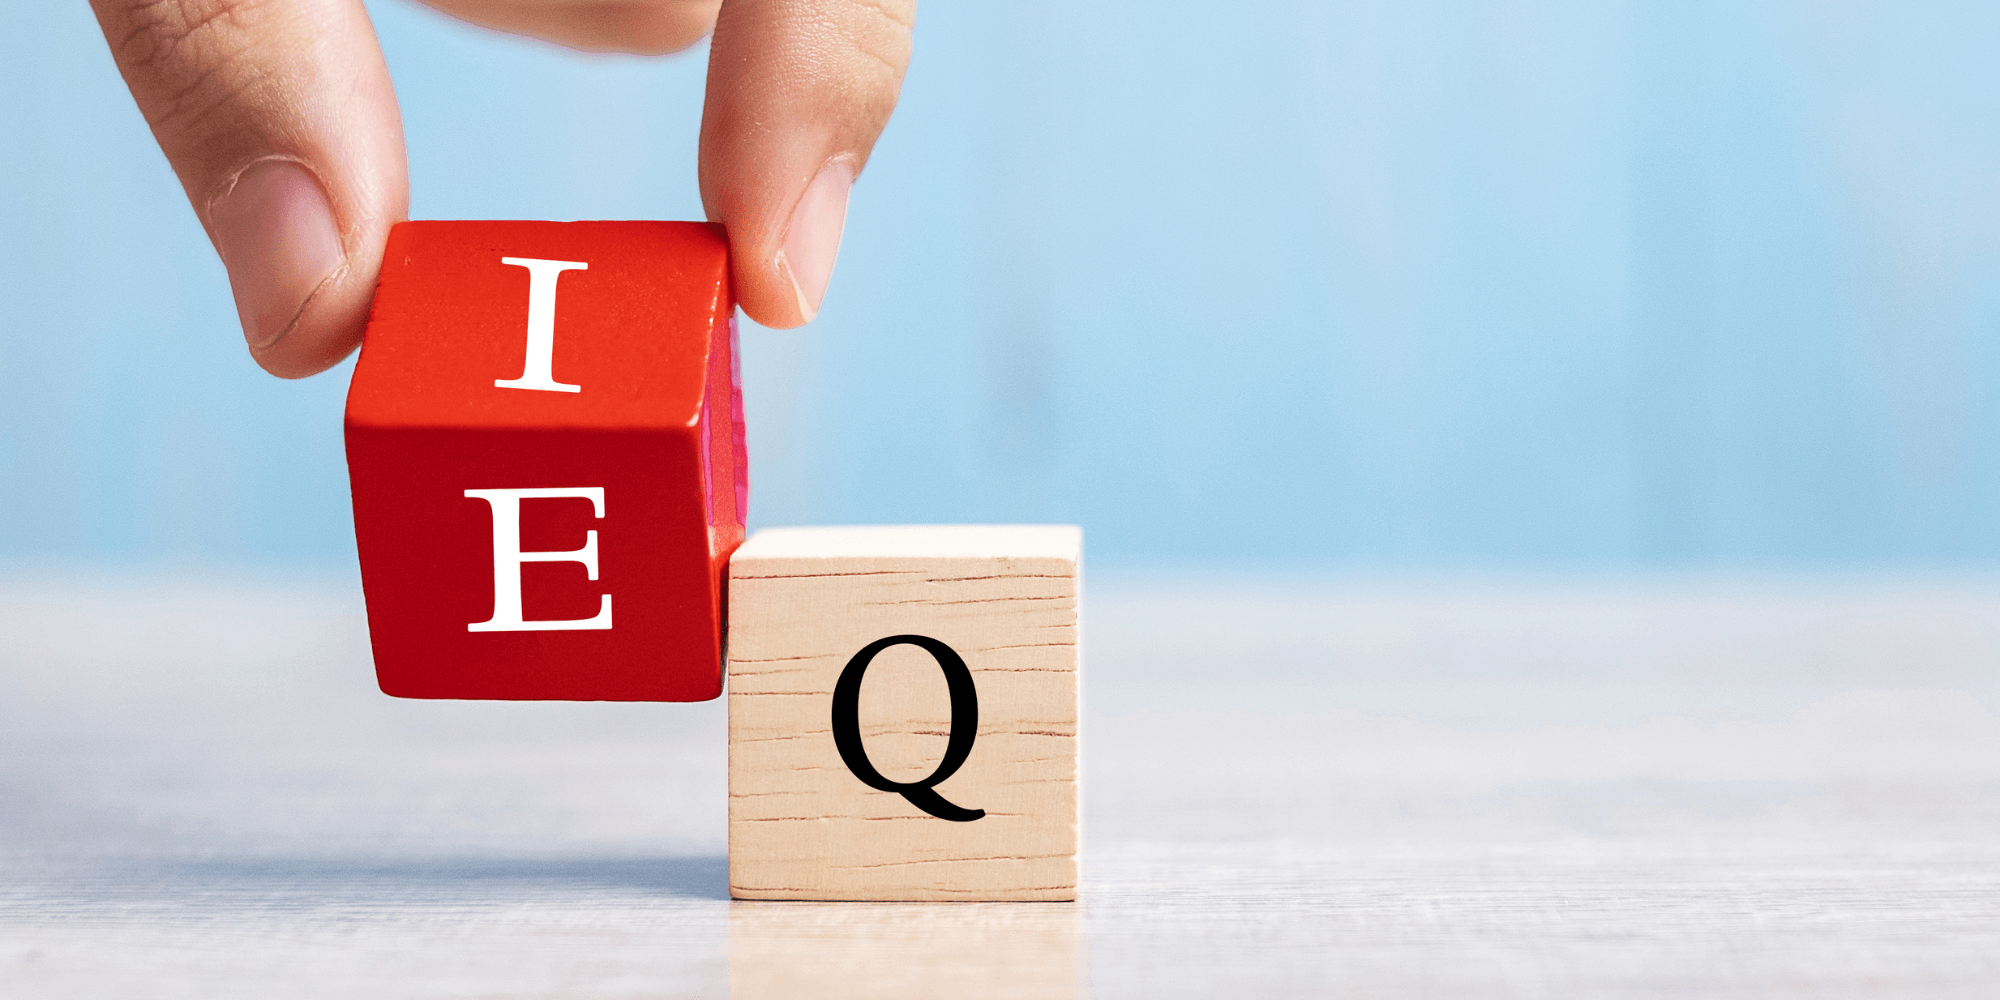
<point>545,445</point>
<point>858,661</point>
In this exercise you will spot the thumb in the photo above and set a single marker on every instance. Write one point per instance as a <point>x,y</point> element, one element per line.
<point>798,90</point>
<point>279,119</point>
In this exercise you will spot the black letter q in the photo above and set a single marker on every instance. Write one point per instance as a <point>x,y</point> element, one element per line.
<point>964,726</point>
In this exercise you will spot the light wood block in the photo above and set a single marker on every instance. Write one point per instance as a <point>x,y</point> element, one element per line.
<point>805,607</point>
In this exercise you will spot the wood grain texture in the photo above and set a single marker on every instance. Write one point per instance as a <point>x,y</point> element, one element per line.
<point>803,602</point>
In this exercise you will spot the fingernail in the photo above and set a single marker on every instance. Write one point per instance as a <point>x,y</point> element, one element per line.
<point>812,237</point>
<point>276,236</point>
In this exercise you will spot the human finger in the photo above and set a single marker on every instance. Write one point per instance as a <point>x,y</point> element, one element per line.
<point>645,27</point>
<point>798,91</point>
<point>279,119</point>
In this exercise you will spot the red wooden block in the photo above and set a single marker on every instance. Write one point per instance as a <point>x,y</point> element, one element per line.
<point>545,443</point>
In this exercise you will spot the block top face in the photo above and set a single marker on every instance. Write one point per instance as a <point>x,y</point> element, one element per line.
<point>637,309</point>
<point>917,542</point>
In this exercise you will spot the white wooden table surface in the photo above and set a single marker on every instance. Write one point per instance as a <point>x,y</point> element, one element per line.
<point>1593,790</point>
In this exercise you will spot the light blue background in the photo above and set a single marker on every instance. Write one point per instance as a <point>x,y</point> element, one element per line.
<point>1373,284</point>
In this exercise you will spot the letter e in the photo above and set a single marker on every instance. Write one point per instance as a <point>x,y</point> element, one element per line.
<point>508,557</point>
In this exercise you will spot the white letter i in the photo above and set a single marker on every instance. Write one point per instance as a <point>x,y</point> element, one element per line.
<point>537,370</point>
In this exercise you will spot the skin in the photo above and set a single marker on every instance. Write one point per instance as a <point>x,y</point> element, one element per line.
<point>279,119</point>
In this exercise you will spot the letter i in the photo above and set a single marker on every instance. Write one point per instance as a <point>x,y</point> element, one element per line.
<point>538,368</point>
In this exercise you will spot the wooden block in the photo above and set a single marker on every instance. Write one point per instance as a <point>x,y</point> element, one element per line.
<point>903,713</point>
<point>545,444</point>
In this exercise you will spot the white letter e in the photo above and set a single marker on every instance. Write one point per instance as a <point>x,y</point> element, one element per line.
<point>508,557</point>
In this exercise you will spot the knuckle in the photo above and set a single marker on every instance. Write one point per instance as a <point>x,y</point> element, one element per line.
<point>186,58</point>
<point>881,32</point>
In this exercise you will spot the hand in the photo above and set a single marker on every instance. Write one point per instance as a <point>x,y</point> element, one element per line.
<point>280,121</point>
